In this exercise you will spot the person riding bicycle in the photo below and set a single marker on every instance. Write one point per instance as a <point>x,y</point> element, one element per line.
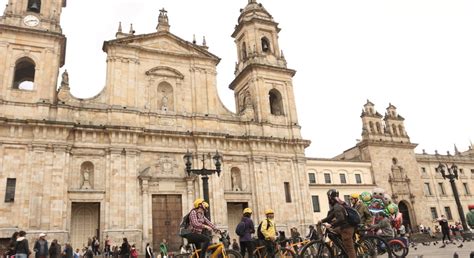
<point>269,232</point>
<point>246,243</point>
<point>337,219</point>
<point>364,213</point>
<point>312,235</point>
<point>200,226</point>
<point>382,225</point>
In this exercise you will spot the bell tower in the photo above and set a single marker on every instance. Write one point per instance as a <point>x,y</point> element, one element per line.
<point>262,83</point>
<point>32,49</point>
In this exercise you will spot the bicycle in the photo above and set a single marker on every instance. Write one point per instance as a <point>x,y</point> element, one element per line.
<point>371,244</point>
<point>282,249</point>
<point>218,250</point>
<point>319,247</point>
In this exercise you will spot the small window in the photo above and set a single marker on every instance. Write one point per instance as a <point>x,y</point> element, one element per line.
<point>466,189</point>
<point>34,6</point>
<point>312,178</point>
<point>244,51</point>
<point>428,189</point>
<point>449,216</point>
<point>265,45</point>
<point>315,200</point>
<point>423,170</point>
<point>24,77</point>
<point>434,213</point>
<point>276,105</point>
<point>441,189</point>
<point>358,179</point>
<point>287,192</point>
<point>461,171</point>
<point>343,178</point>
<point>347,199</point>
<point>472,171</point>
<point>327,178</point>
<point>10,190</point>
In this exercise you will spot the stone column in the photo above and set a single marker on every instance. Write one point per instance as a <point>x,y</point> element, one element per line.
<point>146,213</point>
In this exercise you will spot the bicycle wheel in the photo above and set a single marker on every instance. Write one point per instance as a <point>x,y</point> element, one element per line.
<point>316,249</point>
<point>260,252</point>
<point>229,253</point>
<point>186,255</point>
<point>399,249</point>
<point>376,247</point>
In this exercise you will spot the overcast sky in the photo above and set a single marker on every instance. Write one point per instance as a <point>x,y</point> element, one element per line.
<point>416,54</point>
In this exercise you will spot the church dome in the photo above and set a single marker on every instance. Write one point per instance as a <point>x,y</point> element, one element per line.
<point>254,10</point>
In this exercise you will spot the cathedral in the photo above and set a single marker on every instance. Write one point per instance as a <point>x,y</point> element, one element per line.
<point>115,165</point>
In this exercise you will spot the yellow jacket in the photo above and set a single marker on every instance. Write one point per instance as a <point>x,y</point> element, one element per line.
<point>271,231</point>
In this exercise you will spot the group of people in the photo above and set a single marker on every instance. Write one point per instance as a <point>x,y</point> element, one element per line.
<point>20,248</point>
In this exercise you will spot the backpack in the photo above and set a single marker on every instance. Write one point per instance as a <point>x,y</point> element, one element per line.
<point>184,226</point>
<point>352,215</point>
<point>259,230</point>
<point>240,229</point>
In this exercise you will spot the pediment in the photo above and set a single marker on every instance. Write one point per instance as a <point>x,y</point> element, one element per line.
<point>163,42</point>
<point>164,71</point>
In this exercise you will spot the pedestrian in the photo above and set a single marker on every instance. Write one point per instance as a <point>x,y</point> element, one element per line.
<point>41,247</point>
<point>107,246</point>
<point>125,248</point>
<point>77,253</point>
<point>133,252</point>
<point>22,249</point>
<point>443,223</point>
<point>11,246</point>
<point>55,249</point>
<point>115,252</point>
<point>235,245</point>
<point>470,216</point>
<point>148,251</point>
<point>246,243</point>
<point>68,252</point>
<point>312,235</point>
<point>337,219</point>
<point>164,248</point>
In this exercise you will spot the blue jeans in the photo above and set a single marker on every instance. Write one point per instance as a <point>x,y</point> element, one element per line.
<point>21,256</point>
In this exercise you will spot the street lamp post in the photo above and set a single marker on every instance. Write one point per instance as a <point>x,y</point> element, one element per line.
<point>452,174</point>
<point>204,172</point>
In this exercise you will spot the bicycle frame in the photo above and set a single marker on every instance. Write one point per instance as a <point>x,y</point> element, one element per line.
<point>217,248</point>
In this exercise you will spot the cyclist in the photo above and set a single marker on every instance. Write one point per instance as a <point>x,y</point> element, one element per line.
<point>364,213</point>
<point>269,232</point>
<point>246,243</point>
<point>312,235</point>
<point>383,226</point>
<point>200,225</point>
<point>337,219</point>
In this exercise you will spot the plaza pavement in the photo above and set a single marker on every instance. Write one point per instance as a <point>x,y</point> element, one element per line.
<point>433,251</point>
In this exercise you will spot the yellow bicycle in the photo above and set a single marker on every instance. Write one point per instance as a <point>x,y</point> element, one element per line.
<point>283,248</point>
<point>217,250</point>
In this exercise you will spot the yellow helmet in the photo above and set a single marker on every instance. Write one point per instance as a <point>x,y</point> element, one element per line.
<point>198,201</point>
<point>205,205</point>
<point>355,196</point>
<point>269,211</point>
<point>247,210</point>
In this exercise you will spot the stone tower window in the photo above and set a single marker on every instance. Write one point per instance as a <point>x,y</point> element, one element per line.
<point>371,125</point>
<point>165,97</point>
<point>400,130</point>
<point>24,74</point>
<point>394,129</point>
<point>34,6</point>
<point>265,45</point>
<point>244,51</point>
<point>276,105</point>
<point>379,129</point>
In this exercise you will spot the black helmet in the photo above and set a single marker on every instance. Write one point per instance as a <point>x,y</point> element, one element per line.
<point>332,193</point>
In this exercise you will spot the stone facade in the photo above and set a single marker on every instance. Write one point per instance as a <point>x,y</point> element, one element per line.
<point>99,166</point>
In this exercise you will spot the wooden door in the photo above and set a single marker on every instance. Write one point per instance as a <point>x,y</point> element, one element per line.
<point>84,223</point>
<point>166,214</point>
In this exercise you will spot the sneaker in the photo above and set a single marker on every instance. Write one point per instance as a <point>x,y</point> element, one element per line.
<point>443,246</point>
<point>460,246</point>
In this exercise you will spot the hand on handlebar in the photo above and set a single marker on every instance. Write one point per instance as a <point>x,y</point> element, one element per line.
<point>327,225</point>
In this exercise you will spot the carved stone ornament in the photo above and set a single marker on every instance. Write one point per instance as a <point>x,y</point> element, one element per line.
<point>166,166</point>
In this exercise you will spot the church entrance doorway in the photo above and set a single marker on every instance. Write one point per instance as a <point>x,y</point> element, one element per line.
<point>166,215</point>
<point>84,223</point>
<point>405,211</point>
<point>234,215</point>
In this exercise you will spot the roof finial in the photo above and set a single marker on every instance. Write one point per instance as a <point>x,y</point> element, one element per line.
<point>120,27</point>
<point>204,40</point>
<point>131,29</point>
<point>194,38</point>
<point>163,22</point>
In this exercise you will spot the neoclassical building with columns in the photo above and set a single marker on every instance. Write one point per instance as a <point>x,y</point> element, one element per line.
<point>112,165</point>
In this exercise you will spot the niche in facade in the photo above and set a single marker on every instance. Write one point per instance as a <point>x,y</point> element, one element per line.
<point>236,179</point>
<point>165,97</point>
<point>87,175</point>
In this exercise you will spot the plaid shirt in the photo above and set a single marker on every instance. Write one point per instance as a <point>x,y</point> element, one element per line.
<point>198,220</point>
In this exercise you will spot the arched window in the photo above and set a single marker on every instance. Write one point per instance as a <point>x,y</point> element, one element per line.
<point>244,51</point>
<point>265,45</point>
<point>34,6</point>
<point>276,105</point>
<point>400,130</point>
<point>394,129</point>
<point>24,77</point>
<point>165,97</point>
<point>379,129</point>
<point>371,125</point>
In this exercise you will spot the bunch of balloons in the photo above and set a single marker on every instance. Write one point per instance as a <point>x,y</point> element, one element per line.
<point>379,201</point>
